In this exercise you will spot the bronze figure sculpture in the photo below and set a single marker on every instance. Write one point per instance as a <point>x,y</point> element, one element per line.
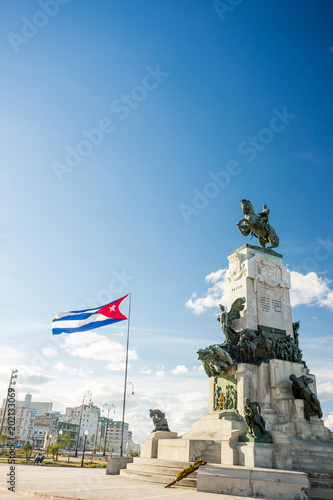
<point>301,390</point>
<point>257,225</point>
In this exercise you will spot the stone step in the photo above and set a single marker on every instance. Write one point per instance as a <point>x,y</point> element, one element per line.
<point>158,471</point>
<point>321,484</point>
<point>161,463</point>
<point>312,467</point>
<point>212,452</point>
<point>319,494</point>
<point>213,458</point>
<point>320,475</point>
<point>153,469</point>
<point>207,457</point>
<point>313,453</point>
<point>213,447</point>
<point>156,478</point>
<point>314,446</point>
<point>312,460</point>
<point>326,484</point>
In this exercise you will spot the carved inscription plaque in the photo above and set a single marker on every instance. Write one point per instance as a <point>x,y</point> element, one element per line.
<point>264,304</point>
<point>276,305</point>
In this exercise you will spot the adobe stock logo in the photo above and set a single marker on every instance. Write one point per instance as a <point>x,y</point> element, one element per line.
<point>121,109</point>
<point>31,27</point>
<point>223,7</point>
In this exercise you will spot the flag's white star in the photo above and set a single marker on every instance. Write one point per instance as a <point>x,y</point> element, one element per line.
<point>112,308</point>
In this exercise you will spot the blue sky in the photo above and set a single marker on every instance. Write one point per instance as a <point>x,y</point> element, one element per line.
<point>183,92</point>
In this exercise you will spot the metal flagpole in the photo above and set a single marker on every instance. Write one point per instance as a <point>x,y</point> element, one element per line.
<point>125,383</point>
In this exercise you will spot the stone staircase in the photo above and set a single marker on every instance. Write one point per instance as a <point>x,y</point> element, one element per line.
<point>316,457</point>
<point>317,461</point>
<point>158,471</point>
<point>212,454</point>
<point>321,485</point>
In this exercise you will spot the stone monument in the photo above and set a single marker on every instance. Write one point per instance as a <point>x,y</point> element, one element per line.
<point>263,411</point>
<point>149,449</point>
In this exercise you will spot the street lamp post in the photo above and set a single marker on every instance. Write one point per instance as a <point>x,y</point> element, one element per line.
<point>130,383</point>
<point>96,437</point>
<point>108,408</point>
<point>123,422</point>
<point>60,434</point>
<point>87,394</point>
<point>86,432</point>
<point>11,382</point>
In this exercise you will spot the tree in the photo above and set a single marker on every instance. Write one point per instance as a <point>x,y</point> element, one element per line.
<point>27,448</point>
<point>65,441</point>
<point>3,438</point>
<point>54,450</point>
<point>133,454</point>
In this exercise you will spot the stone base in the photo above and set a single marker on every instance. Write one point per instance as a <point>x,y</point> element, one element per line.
<point>149,449</point>
<point>115,464</point>
<point>252,454</point>
<point>252,439</point>
<point>216,435</point>
<point>207,431</point>
<point>269,385</point>
<point>253,482</point>
<point>302,428</point>
<point>256,454</point>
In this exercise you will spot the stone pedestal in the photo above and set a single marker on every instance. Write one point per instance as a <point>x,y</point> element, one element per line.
<point>259,275</point>
<point>269,385</point>
<point>115,464</point>
<point>255,455</point>
<point>252,454</point>
<point>252,482</point>
<point>149,449</point>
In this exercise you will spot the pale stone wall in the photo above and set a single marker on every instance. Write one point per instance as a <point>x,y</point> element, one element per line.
<point>264,281</point>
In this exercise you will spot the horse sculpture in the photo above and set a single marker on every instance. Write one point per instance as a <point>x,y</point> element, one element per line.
<point>257,225</point>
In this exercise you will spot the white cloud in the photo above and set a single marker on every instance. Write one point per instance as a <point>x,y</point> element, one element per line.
<point>188,407</point>
<point>329,421</point>
<point>93,346</point>
<point>325,391</point>
<point>160,373</point>
<point>306,289</point>
<point>115,367</point>
<point>179,369</point>
<point>141,425</point>
<point>181,410</point>
<point>29,377</point>
<point>146,371</point>
<point>198,368</point>
<point>311,290</point>
<point>60,367</point>
<point>215,295</point>
<point>49,352</point>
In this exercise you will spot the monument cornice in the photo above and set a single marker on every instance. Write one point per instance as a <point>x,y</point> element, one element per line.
<point>266,251</point>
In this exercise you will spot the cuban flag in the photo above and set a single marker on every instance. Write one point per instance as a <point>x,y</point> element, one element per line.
<point>88,319</point>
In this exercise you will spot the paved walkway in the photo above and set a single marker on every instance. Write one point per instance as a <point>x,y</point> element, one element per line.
<point>58,483</point>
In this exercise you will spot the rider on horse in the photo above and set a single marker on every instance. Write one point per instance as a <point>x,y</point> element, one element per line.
<point>263,217</point>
